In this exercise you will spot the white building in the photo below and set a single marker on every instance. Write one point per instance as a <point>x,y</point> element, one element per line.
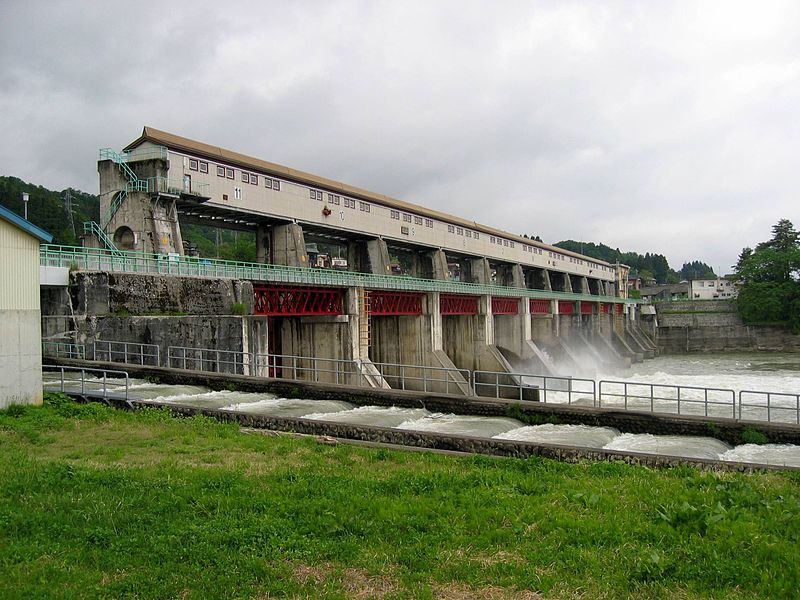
<point>713,289</point>
<point>20,315</point>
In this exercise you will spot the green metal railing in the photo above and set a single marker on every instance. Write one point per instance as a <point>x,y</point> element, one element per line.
<point>95,259</point>
<point>92,228</point>
<point>176,186</point>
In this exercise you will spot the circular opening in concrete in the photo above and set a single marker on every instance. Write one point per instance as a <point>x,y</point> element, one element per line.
<point>124,238</point>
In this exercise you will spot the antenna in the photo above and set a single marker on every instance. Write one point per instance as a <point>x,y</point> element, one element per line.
<point>68,208</point>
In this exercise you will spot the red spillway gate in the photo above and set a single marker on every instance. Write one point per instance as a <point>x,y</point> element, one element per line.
<point>385,303</point>
<point>297,301</point>
<point>566,307</point>
<point>587,308</point>
<point>458,304</point>
<point>505,306</point>
<point>540,307</point>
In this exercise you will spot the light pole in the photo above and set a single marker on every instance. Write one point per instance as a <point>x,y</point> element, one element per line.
<point>25,198</point>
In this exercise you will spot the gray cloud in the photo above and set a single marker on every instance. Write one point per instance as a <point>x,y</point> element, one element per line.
<point>665,127</point>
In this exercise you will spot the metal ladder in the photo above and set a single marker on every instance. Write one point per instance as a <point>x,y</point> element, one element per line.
<point>134,184</point>
<point>364,321</point>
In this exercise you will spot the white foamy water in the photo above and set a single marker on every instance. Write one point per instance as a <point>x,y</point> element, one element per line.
<point>461,424</point>
<point>670,445</point>
<point>568,435</point>
<point>289,407</point>
<point>378,416</point>
<point>768,454</point>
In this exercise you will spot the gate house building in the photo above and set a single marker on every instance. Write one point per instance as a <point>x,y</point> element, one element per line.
<point>161,176</point>
<point>20,326</point>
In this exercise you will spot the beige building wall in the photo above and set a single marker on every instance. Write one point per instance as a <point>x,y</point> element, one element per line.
<point>20,327</point>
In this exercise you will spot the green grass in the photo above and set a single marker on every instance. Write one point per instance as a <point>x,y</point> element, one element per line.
<point>102,503</point>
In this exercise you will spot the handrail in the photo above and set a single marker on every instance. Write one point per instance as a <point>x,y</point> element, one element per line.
<point>547,385</point>
<point>93,228</point>
<point>83,380</point>
<point>674,394</point>
<point>140,353</point>
<point>63,349</point>
<point>97,259</point>
<point>769,406</point>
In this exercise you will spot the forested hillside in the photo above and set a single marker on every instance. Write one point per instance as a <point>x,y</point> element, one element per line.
<point>47,208</point>
<point>646,266</point>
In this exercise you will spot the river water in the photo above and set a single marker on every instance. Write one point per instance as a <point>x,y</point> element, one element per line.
<point>737,372</point>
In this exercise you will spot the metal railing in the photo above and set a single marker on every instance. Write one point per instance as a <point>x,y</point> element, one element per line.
<point>635,396</point>
<point>97,259</point>
<point>64,350</point>
<point>209,359</point>
<point>780,403</point>
<point>421,378</point>
<point>549,388</point>
<point>127,352</point>
<point>177,186</point>
<point>89,381</point>
<point>659,397</point>
<point>92,228</point>
<point>310,368</point>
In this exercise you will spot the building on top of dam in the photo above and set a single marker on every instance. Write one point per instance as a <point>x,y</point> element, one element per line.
<point>161,180</point>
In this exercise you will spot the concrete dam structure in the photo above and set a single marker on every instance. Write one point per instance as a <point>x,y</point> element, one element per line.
<point>473,299</point>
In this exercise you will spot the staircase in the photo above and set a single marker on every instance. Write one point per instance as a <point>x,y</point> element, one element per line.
<point>134,184</point>
<point>92,228</point>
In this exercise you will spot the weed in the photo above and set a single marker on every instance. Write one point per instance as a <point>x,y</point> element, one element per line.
<point>239,308</point>
<point>753,436</point>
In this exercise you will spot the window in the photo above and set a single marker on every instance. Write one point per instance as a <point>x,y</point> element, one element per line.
<point>451,229</point>
<point>491,240</point>
<point>203,167</point>
<point>468,233</point>
<point>253,179</point>
<point>363,206</point>
<point>505,242</point>
<point>459,231</point>
<point>276,185</point>
<point>428,222</point>
<point>395,214</point>
<point>229,173</point>
<point>406,218</point>
<point>193,164</point>
<point>315,195</point>
<point>333,199</point>
<point>220,171</point>
<point>477,235</point>
<point>404,230</point>
<point>417,220</point>
<point>245,177</point>
<point>267,182</point>
<point>511,244</point>
<point>349,203</point>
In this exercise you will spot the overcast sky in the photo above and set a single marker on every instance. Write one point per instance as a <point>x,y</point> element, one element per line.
<point>669,127</point>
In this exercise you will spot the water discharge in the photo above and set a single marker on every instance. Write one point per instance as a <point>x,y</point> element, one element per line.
<point>767,372</point>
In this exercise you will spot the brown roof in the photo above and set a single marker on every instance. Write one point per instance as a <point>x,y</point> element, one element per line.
<point>170,140</point>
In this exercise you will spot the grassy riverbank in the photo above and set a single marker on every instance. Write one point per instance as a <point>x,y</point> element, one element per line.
<point>101,503</point>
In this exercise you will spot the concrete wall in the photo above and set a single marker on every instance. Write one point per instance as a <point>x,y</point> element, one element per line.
<point>714,326</point>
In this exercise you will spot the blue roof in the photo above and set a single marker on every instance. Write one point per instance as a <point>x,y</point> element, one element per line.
<point>26,226</point>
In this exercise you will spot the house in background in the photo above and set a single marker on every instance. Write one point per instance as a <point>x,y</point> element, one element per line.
<point>20,315</point>
<point>714,289</point>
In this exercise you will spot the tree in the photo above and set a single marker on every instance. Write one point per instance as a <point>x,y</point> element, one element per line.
<point>769,276</point>
<point>696,270</point>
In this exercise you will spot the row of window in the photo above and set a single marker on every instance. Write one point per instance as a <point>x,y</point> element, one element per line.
<point>531,249</point>
<point>395,214</point>
<point>275,184</point>
<point>229,173</point>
